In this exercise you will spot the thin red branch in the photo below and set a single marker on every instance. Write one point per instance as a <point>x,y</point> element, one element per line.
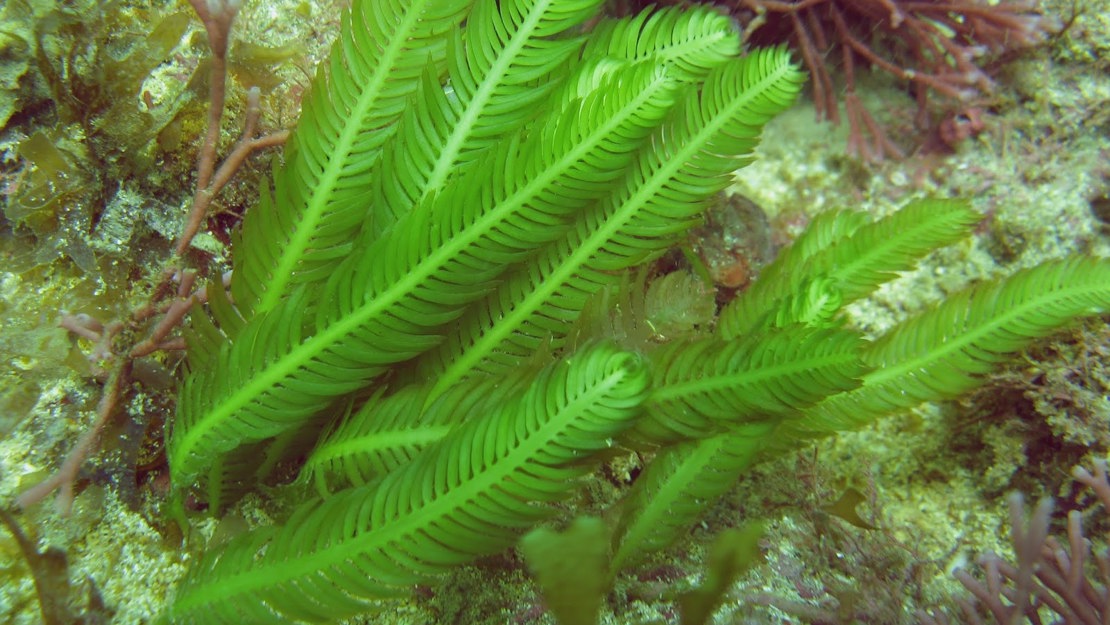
<point>215,181</point>
<point>934,46</point>
<point>64,478</point>
<point>217,17</point>
<point>173,317</point>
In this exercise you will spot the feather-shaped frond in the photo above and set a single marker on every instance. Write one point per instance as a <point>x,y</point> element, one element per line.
<point>468,495</point>
<point>292,236</point>
<point>824,231</point>
<point>709,136</point>
<point>677,487</point>
<point>706,385</point>
<point>220,377</point>
<point>499,69</point>
<point>387,304</point>
<point>946,350</point>
<point>691,39</point>
<point>857,263</point>
<point>688,42</point>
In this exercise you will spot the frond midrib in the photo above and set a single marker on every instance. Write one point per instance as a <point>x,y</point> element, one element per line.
<point>692,45</point>
<point>865,260</point>
<point>755,374</point>
<point>452,147</point>
<point>346,448</point>
<point>986,327</point>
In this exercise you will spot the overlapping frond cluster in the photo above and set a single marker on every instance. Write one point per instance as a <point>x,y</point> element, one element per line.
<point>603,177</point>
<point>406,306</point>
<point>458,195</point>
<point>935,355</point>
